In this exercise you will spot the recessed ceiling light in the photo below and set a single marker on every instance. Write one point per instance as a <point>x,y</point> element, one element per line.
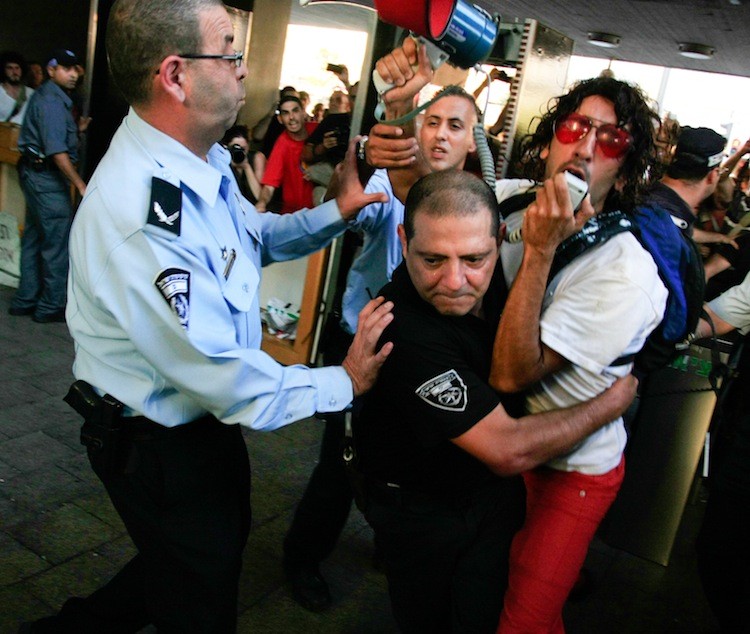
<point>605,40</point>
<point>696,51</point>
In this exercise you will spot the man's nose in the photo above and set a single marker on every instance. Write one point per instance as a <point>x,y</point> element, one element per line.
<point>586,146</point>
<point>242,71</point>
<point>453,276</point>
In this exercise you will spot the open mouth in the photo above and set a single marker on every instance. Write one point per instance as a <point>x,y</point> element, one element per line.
<point>576,171</point>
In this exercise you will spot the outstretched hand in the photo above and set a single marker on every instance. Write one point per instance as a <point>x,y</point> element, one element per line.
<point>363,361</point>
<point>350,193</point>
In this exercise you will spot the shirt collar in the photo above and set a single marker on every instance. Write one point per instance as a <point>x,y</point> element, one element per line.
<point>203,178</point>
<point>55,89</point>
<point>673,202</point>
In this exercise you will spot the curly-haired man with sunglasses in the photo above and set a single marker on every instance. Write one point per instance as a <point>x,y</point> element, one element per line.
<point>561,339</point>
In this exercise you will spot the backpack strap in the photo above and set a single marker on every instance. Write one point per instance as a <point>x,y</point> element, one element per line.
<point>596,231</point>
<point>516,202</point>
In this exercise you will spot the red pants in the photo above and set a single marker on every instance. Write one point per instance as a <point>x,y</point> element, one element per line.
<point>563,511</point>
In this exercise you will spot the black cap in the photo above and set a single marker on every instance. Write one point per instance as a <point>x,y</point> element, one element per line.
<point>286,98</point>
<point>699,147</point>
<point>62,57</point>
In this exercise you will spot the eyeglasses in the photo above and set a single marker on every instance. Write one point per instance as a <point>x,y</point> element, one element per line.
<point>235,57</point>
<point>613,141</point>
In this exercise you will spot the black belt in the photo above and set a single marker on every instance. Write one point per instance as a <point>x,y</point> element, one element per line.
<point>37,164</point>
<point>391,494</point>
<point>142,428</point>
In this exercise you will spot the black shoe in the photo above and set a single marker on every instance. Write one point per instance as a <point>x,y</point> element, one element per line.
<point>57,316</point>
<point>309,589</point>
<point>20,312</point>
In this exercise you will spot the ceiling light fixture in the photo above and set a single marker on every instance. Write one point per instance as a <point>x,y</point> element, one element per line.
<point>605,40</point>
<point>696,51</point>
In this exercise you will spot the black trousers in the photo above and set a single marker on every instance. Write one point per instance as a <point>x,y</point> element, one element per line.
<point>324,508</point>
<point>185,501</point>
<point>447,559</point>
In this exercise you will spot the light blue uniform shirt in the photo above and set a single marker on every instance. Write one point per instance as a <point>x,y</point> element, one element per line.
<point>380,254</point>
<point>176,362</point>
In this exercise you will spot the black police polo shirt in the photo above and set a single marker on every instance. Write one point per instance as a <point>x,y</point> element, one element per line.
<point>432,388</point>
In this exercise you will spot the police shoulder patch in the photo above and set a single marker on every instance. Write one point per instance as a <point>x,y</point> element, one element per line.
<point>445,391</point>
<point>165,209</point>
<point>174,285</point>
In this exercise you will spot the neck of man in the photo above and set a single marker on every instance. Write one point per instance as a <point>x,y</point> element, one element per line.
<point>691,192</point>
<point>301,135</point>
<point>12,88</point>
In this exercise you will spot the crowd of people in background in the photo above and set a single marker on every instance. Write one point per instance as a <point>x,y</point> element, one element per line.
<point>475,324</point>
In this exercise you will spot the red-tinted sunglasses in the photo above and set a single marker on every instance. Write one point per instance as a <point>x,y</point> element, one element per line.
<point>613,141</point>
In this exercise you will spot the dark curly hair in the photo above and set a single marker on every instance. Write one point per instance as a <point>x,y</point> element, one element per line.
<point>631,108</point>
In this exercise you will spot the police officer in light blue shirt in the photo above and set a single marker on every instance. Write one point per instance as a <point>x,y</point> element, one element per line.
<point>163,308</point>
<point>49,150</point>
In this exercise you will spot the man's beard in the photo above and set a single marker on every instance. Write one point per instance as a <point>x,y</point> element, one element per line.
<point>12,82</point>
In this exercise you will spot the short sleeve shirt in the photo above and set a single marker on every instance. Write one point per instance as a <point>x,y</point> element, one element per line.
<point>49,126</point>
<point>432,388</point>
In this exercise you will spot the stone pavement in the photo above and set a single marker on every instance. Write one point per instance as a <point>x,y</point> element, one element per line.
<point>60,536</point>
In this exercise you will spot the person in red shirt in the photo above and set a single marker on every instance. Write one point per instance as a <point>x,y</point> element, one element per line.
<point>284,168</point>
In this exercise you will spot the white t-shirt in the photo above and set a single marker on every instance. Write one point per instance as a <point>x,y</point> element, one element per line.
<point>733,306</point>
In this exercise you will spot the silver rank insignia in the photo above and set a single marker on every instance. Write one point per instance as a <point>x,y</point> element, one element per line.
<point>445,391</point>
<point>174,285</point>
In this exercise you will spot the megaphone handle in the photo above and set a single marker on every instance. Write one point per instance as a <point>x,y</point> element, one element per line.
<point>437,57</point>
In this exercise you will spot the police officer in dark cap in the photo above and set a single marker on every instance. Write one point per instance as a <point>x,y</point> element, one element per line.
<point>49,150</point>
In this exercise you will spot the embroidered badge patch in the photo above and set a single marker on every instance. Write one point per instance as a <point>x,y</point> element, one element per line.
<point>445,391</point>
<point>174,285</point>
<point>165,209</point>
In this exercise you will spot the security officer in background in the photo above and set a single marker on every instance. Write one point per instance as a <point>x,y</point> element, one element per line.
<point>49,150</point>
<point>164,311</point>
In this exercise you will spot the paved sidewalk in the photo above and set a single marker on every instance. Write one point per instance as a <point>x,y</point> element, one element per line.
<point>60,536</point>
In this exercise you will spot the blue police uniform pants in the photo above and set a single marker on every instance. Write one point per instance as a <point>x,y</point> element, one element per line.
<point>185,501</point>
<point>446,560</point>
<point>44,245</point>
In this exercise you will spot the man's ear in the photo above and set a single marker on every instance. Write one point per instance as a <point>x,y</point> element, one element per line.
<point>501,231</point>
<point>544,153</point>
<point>712,178</point>
<point>171,76</point>
<point>402,238</point>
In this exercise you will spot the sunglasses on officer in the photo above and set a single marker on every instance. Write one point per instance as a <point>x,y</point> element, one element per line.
<point>612,140</point>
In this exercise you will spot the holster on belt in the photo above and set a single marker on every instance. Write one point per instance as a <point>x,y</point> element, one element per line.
<point>102,432</point>
<point>35,160</point>
<point>349,453</point>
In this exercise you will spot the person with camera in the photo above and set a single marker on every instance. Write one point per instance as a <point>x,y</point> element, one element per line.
<point>247,166</point>
<point>326,146</point>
